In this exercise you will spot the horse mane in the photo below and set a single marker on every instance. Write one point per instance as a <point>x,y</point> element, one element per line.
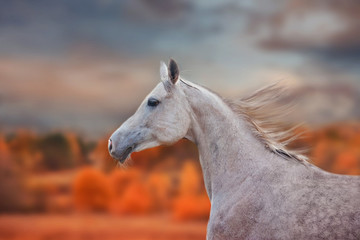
<point>264,111</point>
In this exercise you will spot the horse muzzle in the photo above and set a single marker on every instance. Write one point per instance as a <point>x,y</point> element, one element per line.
<point>121,144</point>
<point>120,153</point>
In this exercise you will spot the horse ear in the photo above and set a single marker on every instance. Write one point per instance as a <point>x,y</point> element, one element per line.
<point>173,71</point>
<point>164,75</point>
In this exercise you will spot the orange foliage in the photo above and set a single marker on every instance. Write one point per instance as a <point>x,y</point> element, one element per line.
<point>100,156</point>
<point>4,149</point>
<point>335,148</point>
<point>192,203</point>
<point>75,148</point>
<point>188,207</point>
<point>320,153</point>
<point>190,179</point>
<point>136,199</point>
<point>347,163</point>
<point>60,203</point>
<point>164,179</point>
<point>146,158</point>
<point>121,192</point>
<point>129,194</point>
<point>91,190</point>
<point>12,192</point>
<point>120,179</point>
<point>126,192</point>
<point>160,186</point>
<point>24,152</point>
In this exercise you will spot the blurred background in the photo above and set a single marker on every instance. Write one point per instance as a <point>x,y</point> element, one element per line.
<point>72,71</point>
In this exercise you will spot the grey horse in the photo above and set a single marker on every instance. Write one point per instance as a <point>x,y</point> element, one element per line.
<point>257,187</point>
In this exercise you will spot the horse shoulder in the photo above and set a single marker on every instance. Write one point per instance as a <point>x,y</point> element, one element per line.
<point>239,217</point>
<point>313,206</point>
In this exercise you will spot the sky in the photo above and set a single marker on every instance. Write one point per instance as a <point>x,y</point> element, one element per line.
<point>85,66</point>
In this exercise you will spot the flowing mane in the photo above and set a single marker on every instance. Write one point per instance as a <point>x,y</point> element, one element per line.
<point>264,114</point>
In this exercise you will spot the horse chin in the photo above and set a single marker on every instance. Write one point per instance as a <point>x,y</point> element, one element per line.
<point>124,155</point>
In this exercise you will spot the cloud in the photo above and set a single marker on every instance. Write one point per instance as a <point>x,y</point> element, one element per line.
<point>87,64</point>
<point>81,94</point>
<point>314,25</point>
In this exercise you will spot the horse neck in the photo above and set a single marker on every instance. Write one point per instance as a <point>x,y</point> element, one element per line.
<point>227,146</point>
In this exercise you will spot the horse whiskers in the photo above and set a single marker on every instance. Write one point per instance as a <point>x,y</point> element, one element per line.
<point>126,164</point>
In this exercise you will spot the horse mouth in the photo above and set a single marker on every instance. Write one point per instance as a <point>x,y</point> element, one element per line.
<point>126,154</point>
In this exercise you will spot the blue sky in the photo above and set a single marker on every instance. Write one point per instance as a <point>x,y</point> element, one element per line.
<point>86,65</point>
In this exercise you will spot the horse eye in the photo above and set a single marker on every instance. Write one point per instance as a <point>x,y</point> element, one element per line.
<point>152,102</point>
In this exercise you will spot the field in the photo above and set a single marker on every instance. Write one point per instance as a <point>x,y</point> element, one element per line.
<point>97,226</point>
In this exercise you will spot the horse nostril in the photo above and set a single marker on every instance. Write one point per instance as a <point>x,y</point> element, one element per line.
<point>110,145</point>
